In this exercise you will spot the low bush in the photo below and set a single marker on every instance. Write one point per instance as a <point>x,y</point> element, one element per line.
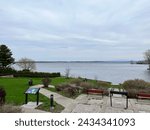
<point>46,81</point>
<point>2,96</point>
<point>135,86</point>
<point>68,90</point>
<point>77,82</point>
<point>105,89</point>
<point>61,87</point>
<point>132,93</point>
<point>86,85</point>
<point>7,71</point>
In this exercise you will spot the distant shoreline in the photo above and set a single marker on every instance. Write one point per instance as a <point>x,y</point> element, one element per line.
<point>80,62</point>
<point>121,62</point>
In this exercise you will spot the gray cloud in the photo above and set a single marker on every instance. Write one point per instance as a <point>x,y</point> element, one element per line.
<point>76,29</point>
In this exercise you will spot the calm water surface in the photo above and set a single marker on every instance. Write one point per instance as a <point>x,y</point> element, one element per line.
<point>113,72</point>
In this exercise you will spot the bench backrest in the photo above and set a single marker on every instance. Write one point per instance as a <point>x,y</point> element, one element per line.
<point>143,94</point>
<point>94,91</point>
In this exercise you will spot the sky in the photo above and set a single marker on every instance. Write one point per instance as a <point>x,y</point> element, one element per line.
<point>76,30</point>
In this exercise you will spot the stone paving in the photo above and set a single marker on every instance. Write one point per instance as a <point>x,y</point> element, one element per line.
<point>30,108</point>
<point>96,104</point>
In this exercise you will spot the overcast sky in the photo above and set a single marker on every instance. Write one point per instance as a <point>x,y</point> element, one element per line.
<point>76,29</point>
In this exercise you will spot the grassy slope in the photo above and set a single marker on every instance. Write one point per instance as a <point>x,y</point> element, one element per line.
<point>56,81</point>
<point>15,88</point>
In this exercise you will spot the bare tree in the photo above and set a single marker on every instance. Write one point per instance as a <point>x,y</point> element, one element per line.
<point>96,78</point>
<point>147,57</point>
<point>67,72</point>
<point>26,64</point>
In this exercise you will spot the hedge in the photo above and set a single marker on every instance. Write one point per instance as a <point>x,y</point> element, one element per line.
<point>16,73</point>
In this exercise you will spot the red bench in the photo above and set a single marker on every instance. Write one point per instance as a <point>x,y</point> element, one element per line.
<point>143,96</point>
<point>95,91</point>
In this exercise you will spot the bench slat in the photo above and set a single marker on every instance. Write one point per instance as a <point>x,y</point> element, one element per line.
<point>139,97</point>
<point>143,96</point>
<point>95,92</point>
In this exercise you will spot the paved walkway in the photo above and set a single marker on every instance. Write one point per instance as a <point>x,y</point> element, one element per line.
<point>96,104</point>
<point>31,108</point>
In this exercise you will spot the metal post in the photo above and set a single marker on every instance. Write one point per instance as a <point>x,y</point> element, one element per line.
<point>37,102</point>
<point>111,99</point>
<point>127,102</point>
<point>26,98</point>
<point>51,102</point>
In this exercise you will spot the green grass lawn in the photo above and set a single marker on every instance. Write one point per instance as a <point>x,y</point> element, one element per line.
<point>56,81</point>
<point>15,88</point>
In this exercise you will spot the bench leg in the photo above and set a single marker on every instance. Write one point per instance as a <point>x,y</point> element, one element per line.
<point>126,102</point>
<point>111,100</point>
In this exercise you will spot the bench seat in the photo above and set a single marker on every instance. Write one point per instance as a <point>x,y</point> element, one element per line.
<point>95,91</point>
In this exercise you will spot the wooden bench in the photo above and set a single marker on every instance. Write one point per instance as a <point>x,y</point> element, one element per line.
<point>143,96</point>
<point>95,91</point>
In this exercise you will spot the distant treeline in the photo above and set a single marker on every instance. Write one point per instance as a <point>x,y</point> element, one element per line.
<point>79,62</point>
<point>142,62</point>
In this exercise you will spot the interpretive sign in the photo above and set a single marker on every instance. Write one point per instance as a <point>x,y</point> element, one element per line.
<point>34,91</point>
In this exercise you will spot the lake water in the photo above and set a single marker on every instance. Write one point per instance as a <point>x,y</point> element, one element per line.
<point>113,72</point>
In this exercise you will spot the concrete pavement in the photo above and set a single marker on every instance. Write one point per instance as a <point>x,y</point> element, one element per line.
<point>96,104</point>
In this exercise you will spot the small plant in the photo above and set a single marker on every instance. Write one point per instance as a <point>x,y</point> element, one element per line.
<point>30,82</point>
<point>46,82</point>
<point>77,82</point>
<point>68,90</point>
<point>2,96</point>
<point>61,87</point>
